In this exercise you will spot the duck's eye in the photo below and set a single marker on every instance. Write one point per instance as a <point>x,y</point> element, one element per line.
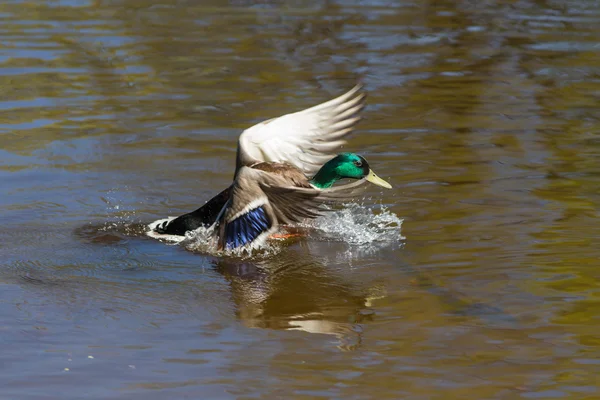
<point>358,163</point>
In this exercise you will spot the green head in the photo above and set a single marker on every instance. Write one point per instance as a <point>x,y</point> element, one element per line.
<point>346,165</point>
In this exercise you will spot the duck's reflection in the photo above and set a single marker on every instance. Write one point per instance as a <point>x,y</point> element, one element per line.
<point>293,291</point>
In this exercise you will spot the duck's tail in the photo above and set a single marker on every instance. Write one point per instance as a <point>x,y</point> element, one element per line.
<point>204,216</point>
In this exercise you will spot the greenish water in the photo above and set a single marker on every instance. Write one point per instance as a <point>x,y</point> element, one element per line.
<point>483,115</point>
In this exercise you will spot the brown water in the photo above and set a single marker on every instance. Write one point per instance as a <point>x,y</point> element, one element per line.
<point>482,114</point>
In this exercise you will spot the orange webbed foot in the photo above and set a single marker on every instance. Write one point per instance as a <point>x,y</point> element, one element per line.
<point>284,236</point>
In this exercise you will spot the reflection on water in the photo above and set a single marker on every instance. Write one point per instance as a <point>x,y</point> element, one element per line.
<point>295,292</point>
<point>114,113</point>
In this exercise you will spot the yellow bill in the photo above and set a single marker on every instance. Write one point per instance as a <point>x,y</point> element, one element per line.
<point>377,180</point>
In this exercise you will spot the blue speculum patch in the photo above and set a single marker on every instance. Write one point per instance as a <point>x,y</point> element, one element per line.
<point>245,228</point>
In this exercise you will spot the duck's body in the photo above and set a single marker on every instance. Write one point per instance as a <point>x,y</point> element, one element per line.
<point>207,214</point>
<point>284,173</point>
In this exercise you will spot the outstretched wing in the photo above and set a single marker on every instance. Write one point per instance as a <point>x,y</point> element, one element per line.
<point>260,201</point>
<point>306,139</point>
<point>292,204</point>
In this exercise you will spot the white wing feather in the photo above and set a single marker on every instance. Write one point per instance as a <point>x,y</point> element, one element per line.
<point>306,139</point>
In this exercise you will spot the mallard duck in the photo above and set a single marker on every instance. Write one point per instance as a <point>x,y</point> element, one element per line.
<point>267,194</point>
<point>284,172</point>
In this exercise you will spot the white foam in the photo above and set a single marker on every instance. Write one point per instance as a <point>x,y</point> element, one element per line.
<point>359,224</point>
<point>203,240</point>
<point>160,236</point>
<point>372,227</point>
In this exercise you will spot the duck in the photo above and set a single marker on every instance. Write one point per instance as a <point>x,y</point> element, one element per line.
<point>268,194</point>
<point>286,168</point>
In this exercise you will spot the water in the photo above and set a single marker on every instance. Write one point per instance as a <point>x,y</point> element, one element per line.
<point>475,277</point>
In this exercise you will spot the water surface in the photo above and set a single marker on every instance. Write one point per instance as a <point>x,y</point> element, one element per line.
<point>483,115</point>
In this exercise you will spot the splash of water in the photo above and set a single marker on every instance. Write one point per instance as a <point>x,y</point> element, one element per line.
<point>122,217</point>
<point>203,240</point>
<point>359,224</point>
<point>353,224</point>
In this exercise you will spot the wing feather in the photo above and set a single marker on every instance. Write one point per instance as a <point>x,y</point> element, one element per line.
<point>306,139</point>
<point>292,204</point>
